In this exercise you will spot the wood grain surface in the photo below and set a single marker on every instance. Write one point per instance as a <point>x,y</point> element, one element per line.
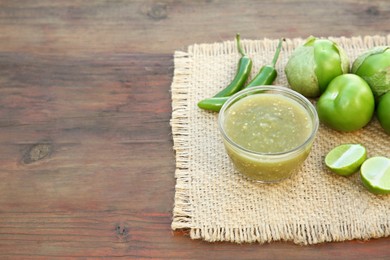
<point>86,158</point>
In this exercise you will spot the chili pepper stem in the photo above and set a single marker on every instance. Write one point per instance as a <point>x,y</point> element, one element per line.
<point>277,52</point>
<point>239,47</point>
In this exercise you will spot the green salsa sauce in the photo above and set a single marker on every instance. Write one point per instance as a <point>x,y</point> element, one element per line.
<point>267,124</point>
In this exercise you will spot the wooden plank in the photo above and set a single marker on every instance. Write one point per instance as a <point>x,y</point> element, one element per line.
<point>138,235</point>
<point>74,132</point>
<point>162,26</point>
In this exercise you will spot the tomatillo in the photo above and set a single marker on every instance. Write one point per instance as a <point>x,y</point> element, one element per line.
<point>374,67</point>
<point>314,64</point>
<point>383,112</point>
<point>347,104</point>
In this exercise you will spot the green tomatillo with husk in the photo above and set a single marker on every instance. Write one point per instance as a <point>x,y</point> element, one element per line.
<point>314,64</point>
<point>374,67</point>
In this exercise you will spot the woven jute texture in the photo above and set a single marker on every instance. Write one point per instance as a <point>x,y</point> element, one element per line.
<point>215,203</point>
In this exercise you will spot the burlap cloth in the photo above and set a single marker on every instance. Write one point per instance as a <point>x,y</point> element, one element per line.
<point>216,203</point>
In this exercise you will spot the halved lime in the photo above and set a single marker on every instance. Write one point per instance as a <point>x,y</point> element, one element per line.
<point>346,159</point>
<point>375,175</point>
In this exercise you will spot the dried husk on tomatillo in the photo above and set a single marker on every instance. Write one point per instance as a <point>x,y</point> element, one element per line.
<point>374,67</point>
<point>314,64</point>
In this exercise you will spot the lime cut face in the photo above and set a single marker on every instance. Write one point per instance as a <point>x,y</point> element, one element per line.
<point>346,159</point>
<point>375,175</point>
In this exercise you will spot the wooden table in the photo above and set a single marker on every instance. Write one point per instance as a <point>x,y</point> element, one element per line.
<point>87,164</point>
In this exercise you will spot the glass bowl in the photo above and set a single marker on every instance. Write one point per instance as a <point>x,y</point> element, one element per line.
<point>268,131</point>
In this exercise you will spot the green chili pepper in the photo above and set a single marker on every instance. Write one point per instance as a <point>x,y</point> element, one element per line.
<point>266,76</point>
<point>213,104</point>
<point>267,73</point>
<point>243,71</point>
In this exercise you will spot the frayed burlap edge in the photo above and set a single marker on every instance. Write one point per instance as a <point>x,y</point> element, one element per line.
<point>182,212</point>
<point>179,123</point>
<point>298,233</point>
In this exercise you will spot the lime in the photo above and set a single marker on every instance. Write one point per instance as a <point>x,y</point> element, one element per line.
<point>346,159</point>
<point>375,175</point>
